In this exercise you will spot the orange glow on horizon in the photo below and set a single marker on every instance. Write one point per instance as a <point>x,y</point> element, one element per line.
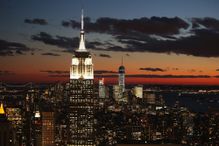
<point>43,78</point>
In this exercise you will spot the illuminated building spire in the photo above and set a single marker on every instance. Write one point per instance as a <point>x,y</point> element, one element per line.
<point>2,111</point>
<point>81,66</point>
<point>82,19</point>
<point>82,47</point>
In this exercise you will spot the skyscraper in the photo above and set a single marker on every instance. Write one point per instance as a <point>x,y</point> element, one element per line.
<point>102,88</point>
<point>81,102</point>
<point>48,128</point>
<point>138,91</point>
<point>122,77</point>
<point>121,87</point>
<point>7,134</point>
<point>37,127</point>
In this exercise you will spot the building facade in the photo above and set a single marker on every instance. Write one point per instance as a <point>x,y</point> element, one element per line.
<point>48,134</point>
<point>7,133</point>
<point>138,91</point>
<point>122,78</point>
<point>81,101</point>
<point>102,89</point>
<point>119,89</point>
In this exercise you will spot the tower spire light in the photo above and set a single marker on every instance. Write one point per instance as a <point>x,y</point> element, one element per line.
<point>82,19</point>
<point>82,47</point>
<point>2,111</point>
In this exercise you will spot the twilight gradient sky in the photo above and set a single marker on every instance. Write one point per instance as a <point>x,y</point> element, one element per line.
<point>161,41</point>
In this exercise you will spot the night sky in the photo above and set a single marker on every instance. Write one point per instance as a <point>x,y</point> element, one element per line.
<point>160,41</point>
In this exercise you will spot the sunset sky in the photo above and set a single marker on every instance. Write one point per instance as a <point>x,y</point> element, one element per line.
<point>160,41</point>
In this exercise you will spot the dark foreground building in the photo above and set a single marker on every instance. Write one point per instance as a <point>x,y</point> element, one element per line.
<point>7,134</point>
<point>148,145</point>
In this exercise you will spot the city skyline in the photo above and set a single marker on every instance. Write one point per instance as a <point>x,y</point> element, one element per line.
<point>160,43</point>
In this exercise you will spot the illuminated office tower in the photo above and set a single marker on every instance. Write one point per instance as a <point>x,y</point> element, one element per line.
<point>138,91</point>
<point>81,102</point>
<point>37,128</point>
<point>118,90</point>
<point>116,93</point>
<point>48,131</point>
<point>102,92</point>
<point>7,134</point>
<point>122,78</point>
<point>150,98</point>
<point>14,116</point>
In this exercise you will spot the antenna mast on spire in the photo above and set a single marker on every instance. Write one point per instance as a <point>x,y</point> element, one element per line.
<point>82,47</point>
<point>82,19</point>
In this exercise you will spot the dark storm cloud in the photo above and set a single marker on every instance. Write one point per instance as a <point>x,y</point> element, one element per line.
<point>71,23</point>
<point>98,72</point>
<point>6,73</point>
<point>217,69</point>
<point>65,23</point>
<point>153,69</point>
<point>156,76</point>
<point>153,25</point>
<point>36,21</point>
<point>210,23</point>
<point>75,24</point>
<point>216,76</point>
<point>93,44</point>
<point>13,48</point>
<point>105,55</point>
<point>203,44</point>
<point>50,54</point>
<point>172,35</point>
<point>62,42</point>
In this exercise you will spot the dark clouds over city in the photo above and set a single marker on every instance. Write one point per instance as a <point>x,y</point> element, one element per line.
<point>157,39</point>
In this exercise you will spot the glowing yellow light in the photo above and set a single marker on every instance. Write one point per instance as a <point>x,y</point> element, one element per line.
<point>2,109</point>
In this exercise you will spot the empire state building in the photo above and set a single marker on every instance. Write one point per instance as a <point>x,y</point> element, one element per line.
<point>81,102</point>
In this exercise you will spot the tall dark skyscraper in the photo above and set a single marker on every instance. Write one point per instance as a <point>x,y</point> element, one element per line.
<point>81,102</point>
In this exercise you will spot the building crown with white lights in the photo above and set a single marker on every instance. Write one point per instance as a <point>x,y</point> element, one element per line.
<point>81,66</point>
